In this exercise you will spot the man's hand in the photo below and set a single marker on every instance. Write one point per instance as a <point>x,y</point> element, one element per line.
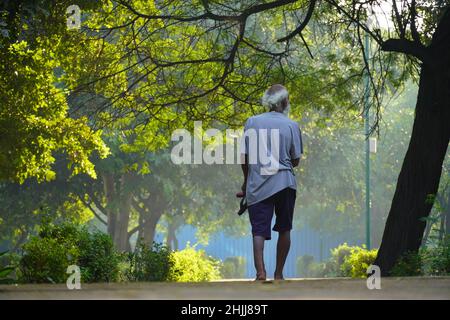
<point>241,193</point>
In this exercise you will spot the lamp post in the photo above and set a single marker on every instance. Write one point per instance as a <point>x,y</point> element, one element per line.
<point>367,133</point>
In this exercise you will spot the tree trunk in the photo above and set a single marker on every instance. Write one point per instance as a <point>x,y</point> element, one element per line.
<point>121,233</point>
<point>426,234</point>
<point>121,241</point>
<point>422,166</point>
<point>445,204</point>
<point>149,229</point>
<point>447,218</point>
<point>118,208</point>
<point>172,241</point>
<point>109,191</point>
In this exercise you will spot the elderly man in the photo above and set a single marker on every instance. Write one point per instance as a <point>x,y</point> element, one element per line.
<point>270,185</point>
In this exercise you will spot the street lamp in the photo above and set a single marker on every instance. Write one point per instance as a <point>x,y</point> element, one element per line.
<point>370,142</point>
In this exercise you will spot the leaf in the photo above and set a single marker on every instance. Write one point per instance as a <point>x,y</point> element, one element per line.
<point>6,271</point>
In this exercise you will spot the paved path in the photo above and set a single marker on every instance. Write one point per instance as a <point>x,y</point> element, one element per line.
<point>335,288</point>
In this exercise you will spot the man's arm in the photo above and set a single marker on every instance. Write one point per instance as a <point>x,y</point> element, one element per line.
<point>297,147</point>
<point>244,167</point>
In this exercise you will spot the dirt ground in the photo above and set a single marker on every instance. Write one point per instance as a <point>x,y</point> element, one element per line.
<point>244,289</point>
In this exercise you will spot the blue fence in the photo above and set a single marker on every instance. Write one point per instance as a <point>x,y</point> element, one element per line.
<point>303,242</point>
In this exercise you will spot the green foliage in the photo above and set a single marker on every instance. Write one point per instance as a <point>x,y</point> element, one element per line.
<point>355,265</point>
<point>438,259</point>
<point>149,263</point>
<point>47,256</point>
<point>190,265</point>
<point>6,271</point>
<point>98,259</point>
<point>338,256</point>
<point>34,118</point>
<point>233,267</point>
<point>428,261</point>
<point>158,263</point>
<point>349,261</point>
<point>46,260</point>
<point>408,265</point>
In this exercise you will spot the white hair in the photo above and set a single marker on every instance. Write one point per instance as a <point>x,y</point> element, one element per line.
<point>273,100</point>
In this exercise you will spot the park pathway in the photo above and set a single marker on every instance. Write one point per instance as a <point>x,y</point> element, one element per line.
<point>331,288</point>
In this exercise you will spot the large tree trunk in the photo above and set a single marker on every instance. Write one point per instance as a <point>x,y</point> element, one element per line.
<point>422,166</point>
<point>109,191</point>
<point>121,234</point>
<point>447,218</point>
<point>445,204</point>
<point>123,219</point>
<point>148,230</point>
<point>118,208</point>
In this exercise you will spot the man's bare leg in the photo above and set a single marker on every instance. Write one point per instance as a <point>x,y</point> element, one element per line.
<point>283,246</point>
<point>258,255</point>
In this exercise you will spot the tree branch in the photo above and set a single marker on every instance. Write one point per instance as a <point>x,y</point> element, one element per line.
<point>408,47</point>
<point>302,26</point>
<point>413,14</point>
<point>398,18</point>
<point>87,204</point>
<point>208,14</point>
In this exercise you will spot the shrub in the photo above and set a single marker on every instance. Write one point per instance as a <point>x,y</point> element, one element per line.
<point>5,271</point>
<point>46,260</point>
<point>66,233</point>
<point>193,265</point>
<point>308,268</point>
<point>437,260</point>
<point>349,261</point>
<point>149,263</point>
<point>338,256</point>
<point>410,264</point>
<point>233,267</point>
<point>98,259</point>
<point>434,261</point>
<point>355,265</point>
<point>45,257</point>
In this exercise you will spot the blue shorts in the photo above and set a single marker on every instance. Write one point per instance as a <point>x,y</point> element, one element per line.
<point>261,213</point>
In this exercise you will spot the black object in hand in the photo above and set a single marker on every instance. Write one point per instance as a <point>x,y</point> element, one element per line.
<point>242,206</point>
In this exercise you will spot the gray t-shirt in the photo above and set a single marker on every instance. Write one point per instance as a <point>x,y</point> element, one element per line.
<point>271,140</point>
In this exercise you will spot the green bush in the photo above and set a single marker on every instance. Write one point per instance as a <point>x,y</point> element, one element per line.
<point>45,257</point>
<point>308,268</point>
<point>98,259</point>
<point>338,256</point>
<point>149,264</point>
<point>46,260</point>
<point>434,261</point>
<point>349,261</point>
<point>5,271</point>
<point>233,267</point>
<point>190,265</point>
<point>437,260</point>
<point>355,265</point>
<point>410,264</point>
